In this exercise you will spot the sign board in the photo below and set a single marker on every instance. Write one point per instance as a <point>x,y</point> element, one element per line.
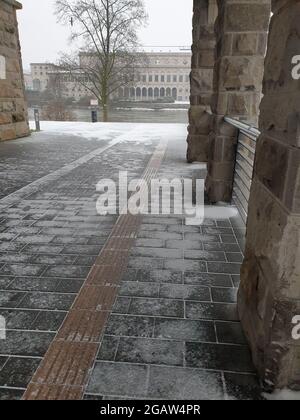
<point>2,67</point>
<point>94,102</point>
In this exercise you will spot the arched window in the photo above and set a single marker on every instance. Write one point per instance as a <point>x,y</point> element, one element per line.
<point>150,92</point>
<point>174,93</point>
<point>162,92</point>
<point>168,93</point>
<point>138,92</point>
<point>132,92</point>
<point>126,92</point>
<point>156,93</point>
<point>144,92</point>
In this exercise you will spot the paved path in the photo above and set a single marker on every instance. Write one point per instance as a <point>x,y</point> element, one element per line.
<point>171,329</point>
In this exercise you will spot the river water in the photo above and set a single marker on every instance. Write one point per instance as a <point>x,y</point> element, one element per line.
<point>136,115</point>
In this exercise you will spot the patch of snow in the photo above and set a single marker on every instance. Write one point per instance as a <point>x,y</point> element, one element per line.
<point>174,109</point>
<point>283,395</point>
<point>198,166</point>
<point>84,129</point>
<point>182,102</point>
<point>135,109</point>
<point>220,212</point>
<point>133,132</point>
<point>152,109</point>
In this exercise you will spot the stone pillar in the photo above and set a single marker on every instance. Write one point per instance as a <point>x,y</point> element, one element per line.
<point>241,32</point>
<point>13,109</point>
<point>269,295</point>
<point>205,13</point>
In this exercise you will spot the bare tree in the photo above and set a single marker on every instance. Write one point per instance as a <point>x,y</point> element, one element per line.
<point>56,110</point>
<point>109,55</point>
<point>56,85</point>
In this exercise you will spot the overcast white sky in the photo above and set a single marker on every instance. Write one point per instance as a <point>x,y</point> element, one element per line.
<point>170,23</point>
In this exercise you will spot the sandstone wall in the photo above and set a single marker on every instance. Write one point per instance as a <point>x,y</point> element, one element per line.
<point>205,12</point>
<point>13,110</point>
<point>269,296</point>
<point>241,34</point>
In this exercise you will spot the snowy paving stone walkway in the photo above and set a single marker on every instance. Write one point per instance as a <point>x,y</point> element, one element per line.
<point>172,332</point>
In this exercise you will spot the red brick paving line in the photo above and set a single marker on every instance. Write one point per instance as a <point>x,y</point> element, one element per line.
<point>67,365</point>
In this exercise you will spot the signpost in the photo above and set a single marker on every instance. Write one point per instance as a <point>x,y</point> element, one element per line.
<point>94,104</point>
<point>37,119</point>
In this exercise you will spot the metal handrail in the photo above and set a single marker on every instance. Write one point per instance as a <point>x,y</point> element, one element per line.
<point>247,129</point>
<point>243,164</point>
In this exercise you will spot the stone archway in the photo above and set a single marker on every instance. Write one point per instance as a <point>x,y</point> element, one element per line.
<point>269,295</point>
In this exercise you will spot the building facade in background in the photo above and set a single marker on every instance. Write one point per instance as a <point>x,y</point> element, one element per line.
<point>166,76</point>
<point>39,73</point>
<point>13,109</point>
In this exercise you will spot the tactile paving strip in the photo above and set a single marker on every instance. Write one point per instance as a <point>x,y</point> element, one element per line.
<point>65,368</point>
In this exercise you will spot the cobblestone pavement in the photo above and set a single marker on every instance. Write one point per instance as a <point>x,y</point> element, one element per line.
<point>173,332</point>
<point>22,162</point>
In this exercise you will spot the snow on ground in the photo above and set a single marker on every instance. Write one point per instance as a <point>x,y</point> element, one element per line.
<point>151,109</point>
<point>283,395</point>
<point>137,132</point>
<point>220,211</point>
<point>182,102</point>
<point>84,129</point>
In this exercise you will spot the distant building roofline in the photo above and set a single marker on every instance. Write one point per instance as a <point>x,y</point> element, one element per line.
<point>156,50</point>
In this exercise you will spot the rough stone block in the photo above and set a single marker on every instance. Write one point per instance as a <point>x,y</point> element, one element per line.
<point>13,114</point>
<point>245,44</point>
<point>284,160</point>
<point>5,118</point>
<point>198,117</point>
<point>219,103</point>
<point>222,149</point>
<point>7,133</point>
<point>218,190</point>
<point>197,148</point>
<point>273,237</point>
<point>241,16</point>
<point>239,104</point>
<point>201,80</point>
<point>239,73</point>
<point>221,171</point>
<point>267,322</point>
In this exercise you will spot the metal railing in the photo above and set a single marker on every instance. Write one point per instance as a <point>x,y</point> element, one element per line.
<point>244,164</point>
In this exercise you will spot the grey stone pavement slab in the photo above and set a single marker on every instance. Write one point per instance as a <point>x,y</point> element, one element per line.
<point>173,332</point>
<point>50,234</point>
<point>23,162</point>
